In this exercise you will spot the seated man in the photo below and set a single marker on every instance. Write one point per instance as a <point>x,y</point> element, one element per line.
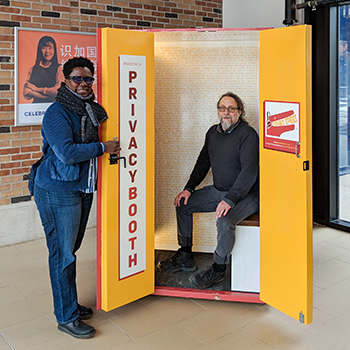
<point>231,150</point>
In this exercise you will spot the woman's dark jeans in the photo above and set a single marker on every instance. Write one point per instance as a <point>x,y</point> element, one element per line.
<point>64,216</point>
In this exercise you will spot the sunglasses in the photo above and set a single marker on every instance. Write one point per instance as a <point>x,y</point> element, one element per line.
<point>79,80</point>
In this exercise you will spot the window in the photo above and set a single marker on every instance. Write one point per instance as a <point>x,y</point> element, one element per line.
<point>343,133</point>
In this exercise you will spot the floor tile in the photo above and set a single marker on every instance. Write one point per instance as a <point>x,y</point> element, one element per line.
<point>344,257</point>
<point>87,291</point>
<point>336,332</point>
<point>19,260</point>
<point>85,274</point>
<point>227,341</point>
<point>8,251</point>
<point>323,234</point>
<point>85,256</point>
<point>113,315</point>
<point>3,343</point>
<point>151,299</point>
<point>220,319</point>
<point>271,333</point>
<point>25,310</point>
<point>312,342</point>
<point>34,252</point>
<point>169,338</point>
<point>316,289</point>
<point>156,316</point>
<point>324,252</point>
<point>334,299</point>
<point>35,287</point>
<point>294,326</point>
<point>13,275</point>
<point>10,294</point>
<point>108,336</point>
<point>38,245</point>
<point>331,272</point>
<point>30,333</point>
<point>248,343</point>
<point>342,240</point>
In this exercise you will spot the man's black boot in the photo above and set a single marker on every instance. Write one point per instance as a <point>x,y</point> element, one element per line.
<point>181,261</point>
<point>205,279</point>
<point>77,329</point>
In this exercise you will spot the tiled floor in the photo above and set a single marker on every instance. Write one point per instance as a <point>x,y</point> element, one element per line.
<point>27,322</point>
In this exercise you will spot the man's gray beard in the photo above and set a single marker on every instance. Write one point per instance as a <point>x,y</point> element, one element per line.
<point>225,126</point>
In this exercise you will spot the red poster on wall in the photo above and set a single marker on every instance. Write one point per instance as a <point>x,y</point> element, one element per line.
<point>39,58</point>
<point>282,126</point>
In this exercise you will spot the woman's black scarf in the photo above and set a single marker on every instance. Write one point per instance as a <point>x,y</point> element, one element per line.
<point>92,113</point>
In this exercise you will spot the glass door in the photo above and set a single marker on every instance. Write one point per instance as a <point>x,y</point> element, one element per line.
<point>344,113</point>
<point>331,112</point>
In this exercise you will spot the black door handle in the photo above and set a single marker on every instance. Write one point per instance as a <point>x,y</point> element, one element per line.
<point>114,159</point>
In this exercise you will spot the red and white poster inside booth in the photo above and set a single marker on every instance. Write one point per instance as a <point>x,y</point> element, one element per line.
<point>282,126</point>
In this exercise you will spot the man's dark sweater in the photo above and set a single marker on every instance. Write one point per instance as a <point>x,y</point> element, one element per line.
<point>234,158</point>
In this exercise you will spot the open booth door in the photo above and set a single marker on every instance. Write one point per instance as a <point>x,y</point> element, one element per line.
<point>286,170</point>
<point>125,253</point>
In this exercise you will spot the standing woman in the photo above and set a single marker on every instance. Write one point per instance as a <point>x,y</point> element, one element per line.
<point>45,76</point>
<point>65,183</point>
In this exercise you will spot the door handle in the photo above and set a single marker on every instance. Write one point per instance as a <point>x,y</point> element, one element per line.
<point>114,159</point>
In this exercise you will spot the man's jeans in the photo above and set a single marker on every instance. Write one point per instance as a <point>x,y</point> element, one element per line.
<point>64,216</point>
<point>206,200</point>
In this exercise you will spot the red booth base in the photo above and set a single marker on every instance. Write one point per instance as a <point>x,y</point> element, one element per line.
<point>242,297</point>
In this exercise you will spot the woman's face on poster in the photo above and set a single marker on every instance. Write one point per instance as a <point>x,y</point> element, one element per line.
<point>48,50</point>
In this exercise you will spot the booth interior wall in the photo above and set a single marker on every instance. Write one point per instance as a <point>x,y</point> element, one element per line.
<point>192,70</point>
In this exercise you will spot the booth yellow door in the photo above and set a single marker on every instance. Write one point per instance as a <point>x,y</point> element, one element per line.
<point>126,194</point>
<point>126,186</point>
<point>286,171</point>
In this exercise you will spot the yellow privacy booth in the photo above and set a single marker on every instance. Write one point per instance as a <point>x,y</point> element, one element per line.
<point>182,72</point>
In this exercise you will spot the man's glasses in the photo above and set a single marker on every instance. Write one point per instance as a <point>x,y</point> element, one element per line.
<point>79,80</point>
<point>230,109</point>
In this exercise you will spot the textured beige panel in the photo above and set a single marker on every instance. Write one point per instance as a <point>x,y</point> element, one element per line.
<point>192,70</point>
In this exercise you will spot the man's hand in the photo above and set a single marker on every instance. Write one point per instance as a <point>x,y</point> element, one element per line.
<point>222,209</point>
<point>184,194</point>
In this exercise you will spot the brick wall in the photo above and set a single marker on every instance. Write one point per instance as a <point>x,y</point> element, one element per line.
<point>21,146</point>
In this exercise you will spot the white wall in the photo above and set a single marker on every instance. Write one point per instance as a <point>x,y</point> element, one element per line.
<point>253,13</point>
